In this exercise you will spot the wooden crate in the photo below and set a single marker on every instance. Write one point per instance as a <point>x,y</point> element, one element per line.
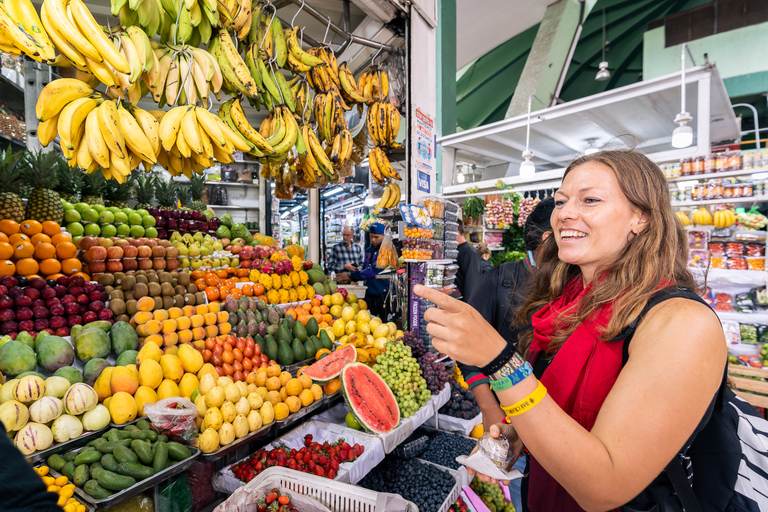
<point>753,391</point>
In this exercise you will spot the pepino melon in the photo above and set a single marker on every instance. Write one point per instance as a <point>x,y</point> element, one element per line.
<point>369,398</point>
<point>331,366</point>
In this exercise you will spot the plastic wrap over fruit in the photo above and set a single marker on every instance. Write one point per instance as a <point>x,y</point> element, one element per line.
<point>497,450</point>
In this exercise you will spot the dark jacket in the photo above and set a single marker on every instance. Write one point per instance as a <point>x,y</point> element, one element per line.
<point>369,272</point>
<point>22,489</point>
<point>485,265</point>
<point>469,269</point>
<point>496,297</point>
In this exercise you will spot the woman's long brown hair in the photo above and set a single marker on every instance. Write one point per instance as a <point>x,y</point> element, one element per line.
<point>658,255</point>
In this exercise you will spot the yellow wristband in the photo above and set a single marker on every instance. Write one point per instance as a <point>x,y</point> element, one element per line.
<point>536,396</point>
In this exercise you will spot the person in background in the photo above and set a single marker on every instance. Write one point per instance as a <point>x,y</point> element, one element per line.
<point>346,256</point>
<point>377,288</point>
<point>485,255</point>
<point>21,488</point>
<point>469,264</point>
<point>497,296</point>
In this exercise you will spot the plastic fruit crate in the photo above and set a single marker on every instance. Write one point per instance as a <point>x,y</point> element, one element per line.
<point>413,448</point>
<point>337,496</point>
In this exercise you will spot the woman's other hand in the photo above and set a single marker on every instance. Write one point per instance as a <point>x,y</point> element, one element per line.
<point>517,447</point>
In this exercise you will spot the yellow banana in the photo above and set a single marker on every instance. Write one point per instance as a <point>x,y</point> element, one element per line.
<point>210,125</point>
<point>348,84</point>
<point>250,133</point>
<point>300,55</point>
<point>57,94</point>
<point>23,12</point>
<point>238,67</point>
<point>95,140</point>
<point>109,125</point>
<point>151,128</point>
<point>103,72</point>
<point>135,138</point>
<point>72,119</point>
<point>189,128</point>
<point>48,130</point>
<point>130,54</point>
<point>317,151</point>
<point>170,124</point>
<point>98,39</point>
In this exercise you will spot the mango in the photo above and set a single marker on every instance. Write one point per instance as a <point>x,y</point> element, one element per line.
<point>126,358</point>
<point>144,395</point>
<point>54,352</point>
<point>167,389</point>
<point>191,359</point>
<point>17,357</point>
<point>188,385</point>
<point>103,384</point>
<point>72,374</point>
<point>149,351</point>
<point>92,342</point>
<point>93,369</point>
<point>172,367</point>
<point>123,379</point>
<point>150,374</point>
<point>123,407</point>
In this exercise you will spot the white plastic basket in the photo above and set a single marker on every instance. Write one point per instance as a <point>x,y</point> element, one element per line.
<point>337,496</point>
<point>456,491</point>
<point>390,440</point>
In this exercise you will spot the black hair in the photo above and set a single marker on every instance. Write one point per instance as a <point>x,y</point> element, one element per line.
<point>538,223</point>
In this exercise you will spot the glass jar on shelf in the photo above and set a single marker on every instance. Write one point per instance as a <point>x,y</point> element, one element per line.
<point>734,161</point>
<point>747,160</point>
<point>728,190</point>
<point>709,163</point>
<point>685,167</point>
<point>746,189</point>
<point>718,189</point>
<point>698,165</point>
<point>738,191</point>
<point>720,162</point>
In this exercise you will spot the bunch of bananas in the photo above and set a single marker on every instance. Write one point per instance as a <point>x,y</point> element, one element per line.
<point>329,114</point>
<point>184,74</point>
<point>297,60</point>
<point>236,75</point>
<point>175,21</point>
<point>373,85</point>
<point>702,217</point>
<point>266,32</point>
<point>236,14</point>
<point>724,219</point>
<point>684,219</point>
<point>21,32</point>
<point>231,113</point>
<point>383,120</point>
<point>324,78</point>
<point>349,90</point>
<point>381,169</point>
<point>389,199</point>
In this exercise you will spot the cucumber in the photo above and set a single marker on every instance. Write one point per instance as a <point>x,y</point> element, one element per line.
<point>94,470</point>
<point>161,457</point>
<point>109,462</point>
<point>94,490</point>
<point>178,451</point>
<point>138,434</point>
<point>113,481</point>
<point>88,457</point>
<point>69,456</point>
<point>143,425</point>
<point>69,470</point>
<point>82,474</point>
<point>113,435</point>
<point>56,462</point>
<point>143,450</point>
<point>124,454</point>
<point>137,471</point>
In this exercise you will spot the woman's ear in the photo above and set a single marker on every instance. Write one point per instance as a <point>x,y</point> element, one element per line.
<point>641,224</point>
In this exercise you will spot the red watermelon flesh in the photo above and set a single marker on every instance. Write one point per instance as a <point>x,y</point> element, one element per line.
<point>369,398</point>
<point>331,365</point>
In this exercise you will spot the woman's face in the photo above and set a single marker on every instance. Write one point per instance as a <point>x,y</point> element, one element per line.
<point>593,220</point>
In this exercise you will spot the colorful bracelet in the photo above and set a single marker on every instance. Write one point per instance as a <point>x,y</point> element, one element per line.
<point>510,380</point>
<point>536,396</point>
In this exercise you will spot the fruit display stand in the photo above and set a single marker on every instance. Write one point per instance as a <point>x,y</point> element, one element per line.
<point>237,444</point>
<point>454,494</point>
<point>451,424</point>
<point>296,417</point>
<point>336,415</point>
<point>349,472</point>
<point>337,496</point>
<point>42,455</point>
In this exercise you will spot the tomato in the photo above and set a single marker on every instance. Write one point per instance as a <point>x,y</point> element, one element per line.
<point>231,339</point>
<point>238,354</point>
<point>228,346</point>
<point>257,351</point>
<point>220,370</point>
<point>210,343</point>
<point>247,364</point>
<point>216,359</point>
<point>218,349</point>
<point>212,293</point>
<point>264,358</point>
<point>228,370</point>
<point>227,357</point>
<point>207,355</point>
<point>248,352</point>
<point>238,376</point>
<point>240,344</point>
<point>238,366</point>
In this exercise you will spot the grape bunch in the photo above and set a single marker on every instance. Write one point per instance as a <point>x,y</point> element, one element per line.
<point>419,482</point>
<point>402,374</point>
<point>418,349</point>
<point>462,403</point>
<point>434,373</point>
<point>492,496</point>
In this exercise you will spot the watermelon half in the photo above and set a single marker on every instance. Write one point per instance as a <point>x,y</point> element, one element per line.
<point>330,366</point>
<point>369,398</point>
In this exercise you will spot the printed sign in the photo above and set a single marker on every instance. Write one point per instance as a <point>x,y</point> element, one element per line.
<point>422,181</point>
<point>424,144</point>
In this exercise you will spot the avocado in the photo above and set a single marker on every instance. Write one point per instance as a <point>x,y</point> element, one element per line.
<point>284,334</point>
<point>299,331</point>
<point>312,327</point>
<point>325,339</point>
<point>309,348</point>
<point>285,355</point>
<point>271,347</point>
<point>299,354</point>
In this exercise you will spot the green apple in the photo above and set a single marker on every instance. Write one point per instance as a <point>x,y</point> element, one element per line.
<point>71,215</point>
<point>106,217</point>
<point>108,230</point>
<point>148,220</point>
<point>134,219</point>
<point>150,232</point>
<point>89,215</point>
<point>92,229</point>
<point>137,231</point>
<point>123,230</point>
<point>127,211</point>
<point>143,212</point>
<point>66,205</point>
<point>75,229</point>
<point>75,239</point>
<point>81,206</point>
<point>121,217</point>
<point>113,209</point>
<point>99,207</point>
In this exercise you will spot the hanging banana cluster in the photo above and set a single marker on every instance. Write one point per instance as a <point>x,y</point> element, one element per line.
<point>22,32</point>
<point>383,120</point>
<point>381,169</point>
<point>237,15</point>
<point>232,114</point>
<point>183,75</point>
<point>374,85</point>
<point>236,75</point>
<point>175,21</point>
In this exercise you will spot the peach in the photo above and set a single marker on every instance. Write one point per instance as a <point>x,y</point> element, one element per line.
<point>188,311</point>
<point>169,326</point>
<point>225,328</point>
<point>154,338</point>
<point>214,307</point>
<point>221,316</point>
<point>144,316</point>
<point>210,319</point>
<point>211,331</point>
<point>201,309</point>
<point>198,333</point>
<point>161,314</point>
<point>154,326</point>
<point>185,336</point>
<point>170,338</point>
<point>175,313</point>
<point>197,320</point>
<point>145,304</point>
<point>183,322</point>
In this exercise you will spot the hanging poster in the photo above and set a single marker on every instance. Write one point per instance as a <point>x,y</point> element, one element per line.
<point>424,158</point>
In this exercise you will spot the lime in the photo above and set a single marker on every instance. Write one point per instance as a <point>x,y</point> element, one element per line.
<point>71,216</point>
<point>137,231</point>
<point>108,230</point>
<point>142,212</point>
<point>134,219</point>
<point>66,205</point>
<point>89,215</point>
<point>352,422</point>
<point>81,206</point>
<point>106,217</point>
<point>75,229</point>
<point>121,217</point>
<point>113,209</point>
<point>150,232</point>
<point>148,220</point>
<point>92,229</point>
<point>123,230</point>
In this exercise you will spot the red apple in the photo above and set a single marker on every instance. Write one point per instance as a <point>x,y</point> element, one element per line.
<point>97,267</point>
<point>134,242</point>
<point>97,253</point>
<point>151,243</point>
<point>145,263</point>
<point>122,243</point>
<point>62,331</point>
<point>114,266</point>
<point>74,320</point>
<point>114,253</point>
<point>130,251</point>
<point>144,252</point>
<point>171,252</point>
<point>164,243</point>
<point>90,316</point>
<point>105,314</point>
<point>171,264</point>
<point>158,252</point>
<point>159,264</point>
<point>86,243</point>
<point>106,242</point>
<point>130,264</point>
<point>77,281</point>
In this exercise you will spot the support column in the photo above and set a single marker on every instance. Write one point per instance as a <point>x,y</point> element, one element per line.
<point>446,79</point>
<point>313,219</point>
<point>36,76</point>
<point>263,205</point>
<point>550,54</point>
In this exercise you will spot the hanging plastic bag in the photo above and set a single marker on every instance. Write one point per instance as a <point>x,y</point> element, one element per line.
<point>174,417</point>
<point>387,253</point>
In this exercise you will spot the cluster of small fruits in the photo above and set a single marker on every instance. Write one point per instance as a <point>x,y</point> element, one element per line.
<point>416,232</point>
<point>275,497</point>
<point>117,255</point>
<point>63,488</point>
<point>402,373</point>
<point>179,325</point>
<point>417,249</point>
<point>83,219</point>
<point>31,248</point>
<point>234,357</point>
<point>491,495</point>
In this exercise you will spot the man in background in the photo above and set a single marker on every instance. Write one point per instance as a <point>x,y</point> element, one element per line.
<point>377,288</point>
<point>470,268</point>
<point>346,256</point>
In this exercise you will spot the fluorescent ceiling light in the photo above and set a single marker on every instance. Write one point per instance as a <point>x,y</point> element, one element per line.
<point>296,208</point>
<point>333,192</point>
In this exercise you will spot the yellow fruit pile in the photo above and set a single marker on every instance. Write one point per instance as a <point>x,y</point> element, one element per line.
<point>702,217</point>
<point>230,410</point>
<point>63,488</point>
<point>168,327</point>
<point>724,218</point>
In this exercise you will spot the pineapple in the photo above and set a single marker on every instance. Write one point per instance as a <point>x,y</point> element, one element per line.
<point>165,193</point>
<point>93,188</point>
<point>144,189</point>
<point>70,182</point>
<point>11,204</point>
<point>117,194</point>
<point>40,172</point>
<point>182,193</point>
<point>197,188</point>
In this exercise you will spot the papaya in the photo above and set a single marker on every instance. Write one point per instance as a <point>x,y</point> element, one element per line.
<point>285,355</point>
<point>298,350</point>
<point>315,276</point>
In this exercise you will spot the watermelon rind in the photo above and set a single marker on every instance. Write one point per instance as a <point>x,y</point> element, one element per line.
<point>360,398</point>
<point>330,367</point>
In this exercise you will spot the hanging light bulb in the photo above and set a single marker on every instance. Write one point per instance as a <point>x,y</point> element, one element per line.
<point>591,147</point>
<point>603,74</point>
<point>682,136</point>
<point>460,177</point>
<point>527,167</point>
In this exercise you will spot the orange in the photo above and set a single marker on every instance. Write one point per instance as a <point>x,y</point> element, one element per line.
<point>258,289</point>
<point>9,226</point>
<point>3,237</point>
<point>23,249</point>
<point>221,273</point>
<point>45,251</point>
<point>17,237</point>
<point>247,290</point>
<point>66,250</point>
<point>315,302</point>
<point>55,276</point>
<point>71,265</point>
<point>40,238</point>
<point>236,293</point>
<point>59,238</point>
<point>307,306</point>
<point>31,227</point>
<point>27,266</point>
<point>50,266</point>
<point>6,251</point>
<point>212,293</point>
<point>7,268</point>
<point>51,228</point>
<point>83,275</point>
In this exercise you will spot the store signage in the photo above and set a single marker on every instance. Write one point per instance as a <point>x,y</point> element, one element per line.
<point>422,181</point>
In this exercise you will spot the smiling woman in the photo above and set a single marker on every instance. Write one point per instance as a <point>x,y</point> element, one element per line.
<point>602,418</point>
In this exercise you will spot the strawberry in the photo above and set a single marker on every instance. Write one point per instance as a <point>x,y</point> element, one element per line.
<point>272,496</point>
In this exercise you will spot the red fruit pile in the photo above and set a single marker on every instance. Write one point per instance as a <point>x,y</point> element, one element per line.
<point>124,255</point>
<point>234,357</point>
<point>35,305</point>
<point>315,458</point>
<point>275,501</point>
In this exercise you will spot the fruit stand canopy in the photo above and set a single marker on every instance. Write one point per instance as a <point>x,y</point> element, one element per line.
<point>645,110</point>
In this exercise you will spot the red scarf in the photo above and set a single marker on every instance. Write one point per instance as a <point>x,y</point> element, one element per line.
<point>578,379</point>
